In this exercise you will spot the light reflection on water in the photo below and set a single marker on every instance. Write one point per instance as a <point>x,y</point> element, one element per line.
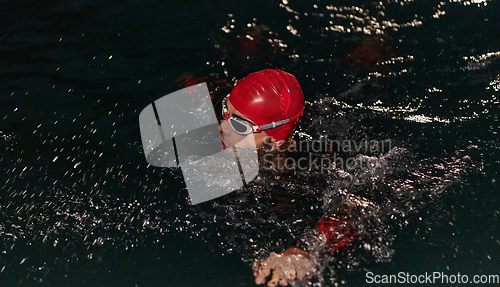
<point>79,201</point>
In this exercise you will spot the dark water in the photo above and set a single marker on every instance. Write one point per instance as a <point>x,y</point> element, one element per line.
<point>80,207</point>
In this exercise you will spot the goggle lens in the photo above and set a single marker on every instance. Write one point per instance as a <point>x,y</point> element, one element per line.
<point>240,126</point>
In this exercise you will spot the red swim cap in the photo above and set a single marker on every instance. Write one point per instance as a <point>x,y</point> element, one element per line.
<point>270,96</point>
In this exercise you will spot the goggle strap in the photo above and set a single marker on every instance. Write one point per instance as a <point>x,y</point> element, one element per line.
<point>277,124</point>
<point>274,124</point>
<point>224,107</point>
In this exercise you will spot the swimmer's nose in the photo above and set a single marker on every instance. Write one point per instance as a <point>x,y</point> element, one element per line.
<point>225,128</point>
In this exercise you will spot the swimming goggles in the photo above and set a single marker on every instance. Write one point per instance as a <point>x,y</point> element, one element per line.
<point>244,127</point>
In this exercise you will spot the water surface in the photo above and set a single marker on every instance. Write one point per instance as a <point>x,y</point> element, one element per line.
<point>79,206</point>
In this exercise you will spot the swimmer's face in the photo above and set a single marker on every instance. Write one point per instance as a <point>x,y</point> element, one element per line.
<point>231,138</point>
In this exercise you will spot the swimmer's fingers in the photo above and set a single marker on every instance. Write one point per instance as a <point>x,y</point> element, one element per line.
<point>289,271</point>
<point>263,269</point>
<point>276,277</point>
<point>261,273</point>
<point>303,266</point>
<point>283,282</point>
<point>300,271</point>
<point>285,268</point>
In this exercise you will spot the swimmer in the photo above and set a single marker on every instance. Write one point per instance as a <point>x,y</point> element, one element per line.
<point>262,110</point>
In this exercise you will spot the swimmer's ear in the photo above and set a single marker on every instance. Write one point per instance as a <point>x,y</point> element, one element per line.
<point>279,145</point>
<point>268,141</point>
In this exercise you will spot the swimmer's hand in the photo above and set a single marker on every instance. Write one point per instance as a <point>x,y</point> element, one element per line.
<point>287,266</point>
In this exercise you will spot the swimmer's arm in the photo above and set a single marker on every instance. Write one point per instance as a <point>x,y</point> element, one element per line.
<point>331,233</point>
